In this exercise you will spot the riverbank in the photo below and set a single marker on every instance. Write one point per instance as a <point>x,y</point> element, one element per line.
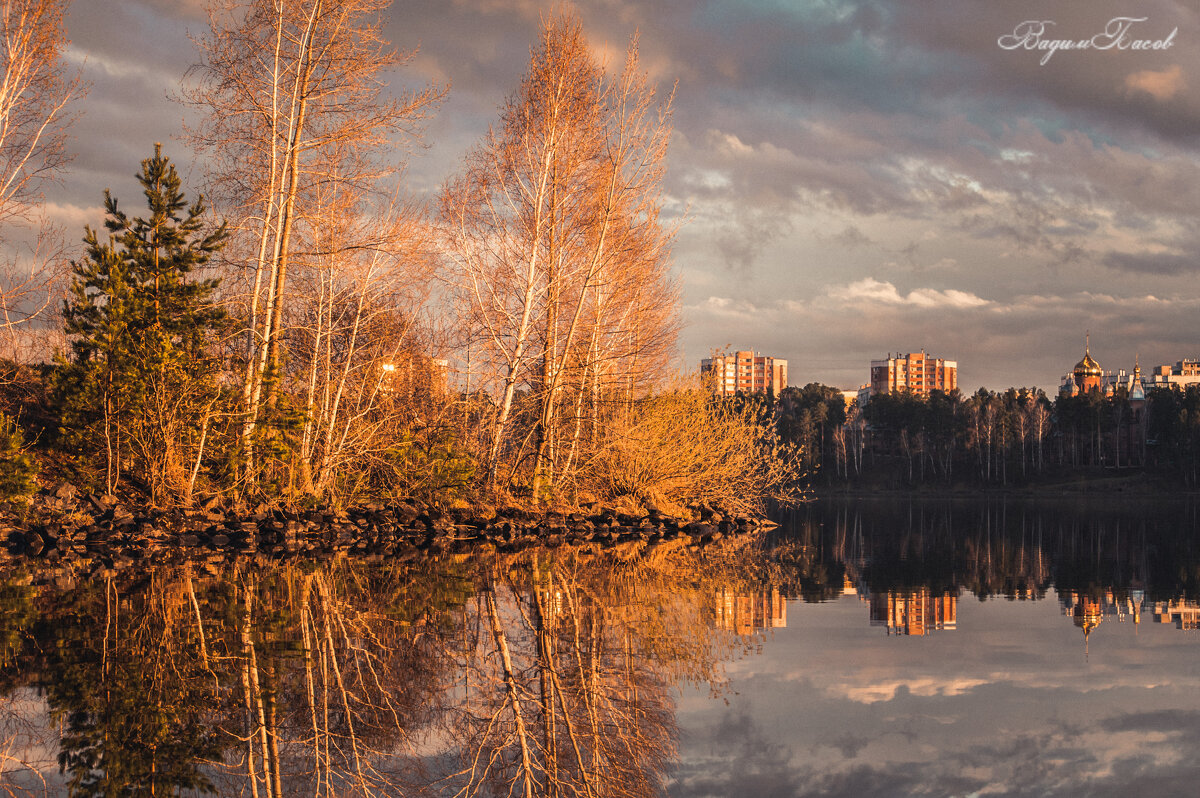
<point>102,534</point>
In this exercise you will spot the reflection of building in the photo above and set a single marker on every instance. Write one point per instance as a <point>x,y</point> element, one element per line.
<point>743,372</point>
<point>1089,611</point>
<point>1184,614</point>
<point>917,613</point>
<point>915,372</point>
<point>745,615</point>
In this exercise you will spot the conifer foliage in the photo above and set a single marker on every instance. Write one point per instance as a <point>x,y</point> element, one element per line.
<point>137,387</point>
<point>18,468</point>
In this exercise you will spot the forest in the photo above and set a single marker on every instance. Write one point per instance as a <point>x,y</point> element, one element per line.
<point>1019,437</point>
<point>298,329</point>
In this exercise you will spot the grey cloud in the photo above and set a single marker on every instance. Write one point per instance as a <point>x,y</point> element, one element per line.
<point>742,760</point>
<point>851,237</point>
<point>746,233</point>
<point>1153,262</point>
<point>1168,721</point>
<point>1087,82</point>
<point>753,764</point>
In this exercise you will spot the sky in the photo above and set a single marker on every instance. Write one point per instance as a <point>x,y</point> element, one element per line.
<point>848,178</point>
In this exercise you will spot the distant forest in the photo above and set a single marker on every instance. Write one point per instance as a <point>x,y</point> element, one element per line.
<point>1016,437</point>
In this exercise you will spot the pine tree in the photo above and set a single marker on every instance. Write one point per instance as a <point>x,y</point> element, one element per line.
<point>18,468</point>
<point>136,386</point>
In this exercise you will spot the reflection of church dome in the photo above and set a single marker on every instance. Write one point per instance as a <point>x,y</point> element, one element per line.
<point>1087,614</point>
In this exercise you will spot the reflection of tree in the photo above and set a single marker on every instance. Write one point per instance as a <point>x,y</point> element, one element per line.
<point>1015,549</point>
<point>123,677</point>
<point>335,677</point>
<point>563,694</point>
<point>541,673</point>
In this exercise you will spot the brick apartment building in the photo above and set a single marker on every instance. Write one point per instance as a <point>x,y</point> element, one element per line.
<point>915,372</point>
<point>745,372</point>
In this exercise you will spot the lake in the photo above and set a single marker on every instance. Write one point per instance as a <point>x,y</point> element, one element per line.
<point>872,647</point>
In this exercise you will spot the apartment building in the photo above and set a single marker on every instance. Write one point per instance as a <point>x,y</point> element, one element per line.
<point>915,372</point>
<point>745,372</point>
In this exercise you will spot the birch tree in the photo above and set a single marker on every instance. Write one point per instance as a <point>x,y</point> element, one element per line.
<point>35,93</point>
<point>560,267</point>
<point>293,96</point>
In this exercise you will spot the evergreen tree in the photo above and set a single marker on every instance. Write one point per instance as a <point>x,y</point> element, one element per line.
<point>137,386</point>
<point>18,469</point>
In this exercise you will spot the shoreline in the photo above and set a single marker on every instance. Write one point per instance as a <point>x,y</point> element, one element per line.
<point>99,534</point>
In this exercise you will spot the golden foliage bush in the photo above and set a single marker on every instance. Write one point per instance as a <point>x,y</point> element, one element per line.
<point>684,446</point>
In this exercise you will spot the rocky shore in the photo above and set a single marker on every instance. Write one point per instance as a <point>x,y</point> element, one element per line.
<point>99,535</point>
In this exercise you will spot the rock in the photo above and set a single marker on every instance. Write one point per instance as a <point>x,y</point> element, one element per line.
<point>99,503</point>
<point>34,543</point>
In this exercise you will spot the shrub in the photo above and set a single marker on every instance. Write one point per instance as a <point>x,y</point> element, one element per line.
<point>686,446</point>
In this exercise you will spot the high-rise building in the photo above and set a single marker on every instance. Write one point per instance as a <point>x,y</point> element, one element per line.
<point>1186,372</point>
<point>745,372</point>
<point>915,372</point>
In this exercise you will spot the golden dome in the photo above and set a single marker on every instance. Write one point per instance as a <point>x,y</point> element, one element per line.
<point>1088,367</point>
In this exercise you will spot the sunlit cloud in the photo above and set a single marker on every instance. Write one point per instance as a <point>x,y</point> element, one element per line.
<point>1162,86</point>
<point>871,290</point>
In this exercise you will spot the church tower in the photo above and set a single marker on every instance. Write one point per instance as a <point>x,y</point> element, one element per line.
<point>1087,372</point>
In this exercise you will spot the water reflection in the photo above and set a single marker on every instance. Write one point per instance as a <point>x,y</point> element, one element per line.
<point>546,672</point>
<point>541,673</point>
<point>915,613</point>
<point>910,561</point>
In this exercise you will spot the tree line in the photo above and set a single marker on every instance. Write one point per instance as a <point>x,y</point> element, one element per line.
<point>304,331</point>
<point>1019,436</point>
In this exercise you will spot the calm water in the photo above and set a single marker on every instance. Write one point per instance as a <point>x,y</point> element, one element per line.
<point>869,648</point>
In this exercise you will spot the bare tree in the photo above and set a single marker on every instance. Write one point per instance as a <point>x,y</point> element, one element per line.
<point>293,100</point>
<point>358,339</point>
<point>35,92</point>
<point>560,266</point>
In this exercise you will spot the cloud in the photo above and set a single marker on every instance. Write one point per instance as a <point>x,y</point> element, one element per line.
<point>1162,86</point>
<point>924,687</point>
<point>1152,262</point>
<point>871,290</point>
<point>190,10</point>
<point>851,237</point>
